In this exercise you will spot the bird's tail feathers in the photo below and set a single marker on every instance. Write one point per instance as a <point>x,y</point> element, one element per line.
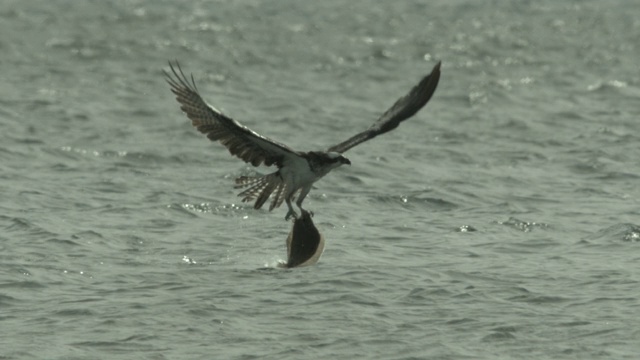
<point>261,188</point>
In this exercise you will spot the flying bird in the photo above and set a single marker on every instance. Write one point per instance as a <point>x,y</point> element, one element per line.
<point>297,170</point>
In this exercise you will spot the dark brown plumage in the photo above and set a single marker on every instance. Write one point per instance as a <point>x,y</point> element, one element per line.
<point>241,141</point>
<point>402,109</point>
<point>297,171</point>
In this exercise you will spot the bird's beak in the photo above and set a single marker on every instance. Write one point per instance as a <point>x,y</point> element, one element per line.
<point>346,161</point>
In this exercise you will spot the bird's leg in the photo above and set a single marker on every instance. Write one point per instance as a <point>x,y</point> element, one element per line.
<point>290,213</point>
<point>303,194</point>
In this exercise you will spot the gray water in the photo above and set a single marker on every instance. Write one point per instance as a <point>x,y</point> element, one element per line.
<point>502,222</point>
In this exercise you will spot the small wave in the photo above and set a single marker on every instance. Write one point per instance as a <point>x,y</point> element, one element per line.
<point>624,232</point>
<point>524,226</point>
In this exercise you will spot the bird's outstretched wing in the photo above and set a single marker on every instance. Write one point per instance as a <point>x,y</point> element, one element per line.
<point>404,108</point>
<point>238,139</point>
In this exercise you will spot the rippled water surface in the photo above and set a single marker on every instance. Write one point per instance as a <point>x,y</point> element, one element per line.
<point>503,221</point>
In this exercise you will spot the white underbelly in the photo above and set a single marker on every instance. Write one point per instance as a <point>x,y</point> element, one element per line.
<point>297,173</point>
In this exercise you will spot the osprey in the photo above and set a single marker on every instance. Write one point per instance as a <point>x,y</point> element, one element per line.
<point>297,171</point>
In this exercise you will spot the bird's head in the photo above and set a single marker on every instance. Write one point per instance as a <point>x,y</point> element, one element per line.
<point>338,158</point>
<point>323,162</point>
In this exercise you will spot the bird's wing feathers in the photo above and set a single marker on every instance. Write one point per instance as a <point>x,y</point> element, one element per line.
<point>238,139</point>
<point>402,109</point>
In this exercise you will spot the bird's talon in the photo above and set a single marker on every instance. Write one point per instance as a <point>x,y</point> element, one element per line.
<point>290,214</point>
